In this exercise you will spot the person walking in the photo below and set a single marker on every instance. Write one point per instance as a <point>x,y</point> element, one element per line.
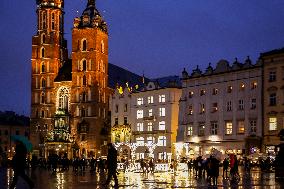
<point>225,167</point>
<point>112,165</point>
<point>19,164</point>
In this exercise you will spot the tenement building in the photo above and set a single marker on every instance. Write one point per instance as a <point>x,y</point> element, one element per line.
<point>221,108</point>
<point>273,97</point>
<point>69,104</point>
<point>147,118</point>
<point>12,124</point>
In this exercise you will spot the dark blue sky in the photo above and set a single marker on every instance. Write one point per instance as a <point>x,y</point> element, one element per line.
<point>160,37</point>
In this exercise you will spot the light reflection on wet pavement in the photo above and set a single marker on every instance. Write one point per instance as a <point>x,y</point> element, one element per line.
<point>129,180</point>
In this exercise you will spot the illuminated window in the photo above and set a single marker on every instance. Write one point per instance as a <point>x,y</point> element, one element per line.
<point>215,107</point>
<point>162,141</point>
<point>242,87</point>
<point>272,99</point>
<point>214,91</point>
<point>150,126</point>
<point>190,130</point>
<point>162,125</point>
<point>272,123</point>
<point>150,140</point>
<point>252,126</point>
<point>214,128</point>
<point>140,140</point>
<point>202,92</point>
<point>139,101</point>
<point>139,126</point>
<point>202,108</point>
<point>253,103</point>
<point>229,106</point>
<point>241,104</point>
<point>229,89</point>
<point>84,44</point>
<point>150,99</point>
<point>201,129</point>
<point>229,128</point>
<point>254,85</point>
<point>241,127</point>
<point>150,112</point>
<point>162,112</point>
<point>190,110</point>
<point>190,94</point>
<point>139,114</point>
<point>162,98</point>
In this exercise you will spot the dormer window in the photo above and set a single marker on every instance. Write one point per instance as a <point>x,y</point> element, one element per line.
<point>84,45</point>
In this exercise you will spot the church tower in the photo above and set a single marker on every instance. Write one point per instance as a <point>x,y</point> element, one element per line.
<point>90,79</point>
<point>49,53</point>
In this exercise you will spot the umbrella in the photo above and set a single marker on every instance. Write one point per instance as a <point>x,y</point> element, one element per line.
<point>24,140</point>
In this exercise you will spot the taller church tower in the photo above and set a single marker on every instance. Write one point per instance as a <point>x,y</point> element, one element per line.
<point>49,52</point>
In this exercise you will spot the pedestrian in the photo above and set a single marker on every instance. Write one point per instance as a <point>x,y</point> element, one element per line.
<point>112,165</point>
<point>225,167</point>
<point>19,164</point>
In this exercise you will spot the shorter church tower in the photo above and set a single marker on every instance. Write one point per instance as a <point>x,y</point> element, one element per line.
<point>89,79</point>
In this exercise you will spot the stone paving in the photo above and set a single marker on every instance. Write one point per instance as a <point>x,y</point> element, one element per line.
<point>68,180</point>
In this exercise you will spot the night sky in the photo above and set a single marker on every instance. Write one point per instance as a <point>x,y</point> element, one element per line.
<point>159,37</point>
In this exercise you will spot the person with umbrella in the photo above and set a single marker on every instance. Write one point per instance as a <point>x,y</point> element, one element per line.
<point>19,163</point>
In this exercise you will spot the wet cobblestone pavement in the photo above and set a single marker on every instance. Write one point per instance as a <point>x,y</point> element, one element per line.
<point>68,180</point>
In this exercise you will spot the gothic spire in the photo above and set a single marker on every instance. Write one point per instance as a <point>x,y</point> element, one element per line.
<point>91,2</point>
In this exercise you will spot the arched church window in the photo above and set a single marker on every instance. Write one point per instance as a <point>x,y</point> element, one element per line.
<point>84,97</point>
<point>42,52</point>
<point>42,98</point>
<point>84,65</point>
<point>43,38</point>
<point>44,20</point>
<point>84,80</point>
<point>84,45</point>
<point>43,83</point>
<point>42,67</point>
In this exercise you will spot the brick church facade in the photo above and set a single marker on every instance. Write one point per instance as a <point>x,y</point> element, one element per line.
<point>69,102</point>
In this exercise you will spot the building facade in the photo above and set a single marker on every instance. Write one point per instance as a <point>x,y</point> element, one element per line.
<point>221,108</point>
<point>69,105</point>
<point>273,97</point>
<point>149,116</point>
